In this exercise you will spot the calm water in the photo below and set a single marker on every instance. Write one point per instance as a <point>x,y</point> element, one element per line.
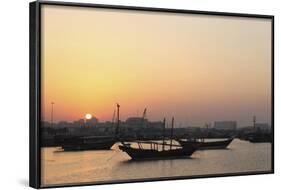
<point>95,166</point>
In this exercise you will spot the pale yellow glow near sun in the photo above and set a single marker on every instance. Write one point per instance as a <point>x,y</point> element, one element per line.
<point>88,116</point>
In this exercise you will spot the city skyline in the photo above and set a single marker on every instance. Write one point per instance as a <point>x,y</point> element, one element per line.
<point>93,118</point>
<point>193,67</point>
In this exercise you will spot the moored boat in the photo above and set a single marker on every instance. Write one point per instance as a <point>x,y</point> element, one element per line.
<point>203,145</point>
<point>89,143</point>
<point>140,153</point>
<point>258,138</point>
<point>157,150</point>
<point>92,142</point>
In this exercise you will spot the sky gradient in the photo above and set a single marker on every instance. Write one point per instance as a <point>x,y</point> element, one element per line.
<point>197,68</point>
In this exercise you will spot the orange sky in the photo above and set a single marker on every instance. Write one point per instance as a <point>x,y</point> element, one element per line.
<point>197,68</point>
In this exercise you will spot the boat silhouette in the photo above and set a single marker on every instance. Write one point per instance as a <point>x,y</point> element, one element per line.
<point>157,150</point>
<point>257,136</point>
<point>260,138</point>
<point>89,143</point>
<point>92,142</point>
<point>203,145</point>
<point>154,152</point>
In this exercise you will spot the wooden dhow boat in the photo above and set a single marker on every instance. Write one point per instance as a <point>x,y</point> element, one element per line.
<point>157,150</point>
<point>203,145</point>
<point>92,142</point>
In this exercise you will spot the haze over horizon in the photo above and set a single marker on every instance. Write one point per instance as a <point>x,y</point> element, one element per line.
<point>197,68</point>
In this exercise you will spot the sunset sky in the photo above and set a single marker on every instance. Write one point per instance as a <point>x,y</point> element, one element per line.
<point>197,68</point>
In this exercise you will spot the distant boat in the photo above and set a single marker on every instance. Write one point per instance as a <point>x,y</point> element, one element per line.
<point>258,138</point>
<point>202,145</point>
<point>157,150</point>
<point>93,142</point>
<point>89,143</point>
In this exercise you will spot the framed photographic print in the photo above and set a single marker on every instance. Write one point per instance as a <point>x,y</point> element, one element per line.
<point>132,94</point>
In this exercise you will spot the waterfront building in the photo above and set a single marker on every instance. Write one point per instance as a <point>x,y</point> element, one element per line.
<point>225,125</point>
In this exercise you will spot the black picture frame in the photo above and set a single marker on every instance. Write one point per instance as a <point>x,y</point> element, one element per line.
<point>35,87</point>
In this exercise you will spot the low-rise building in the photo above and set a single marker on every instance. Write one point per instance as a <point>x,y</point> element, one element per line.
<point>225,125</point>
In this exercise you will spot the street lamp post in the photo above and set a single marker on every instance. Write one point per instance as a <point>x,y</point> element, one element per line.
<point>52,114</point>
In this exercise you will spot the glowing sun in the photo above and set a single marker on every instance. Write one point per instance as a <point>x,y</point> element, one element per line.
<point>88,116</point>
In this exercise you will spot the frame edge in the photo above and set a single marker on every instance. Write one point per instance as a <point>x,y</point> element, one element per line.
<point>34,167</point>
<point>34,41</point>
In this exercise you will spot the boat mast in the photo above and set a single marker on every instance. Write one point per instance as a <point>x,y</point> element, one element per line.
<point>164,123</point>
<point>172,130</point>
<point>144,117</point>
<point>118,121</point>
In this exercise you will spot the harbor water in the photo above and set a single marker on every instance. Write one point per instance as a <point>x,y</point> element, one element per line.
<point>61,168</point>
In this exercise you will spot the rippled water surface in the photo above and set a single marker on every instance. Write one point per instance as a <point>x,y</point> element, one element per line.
<point>105,165</point>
